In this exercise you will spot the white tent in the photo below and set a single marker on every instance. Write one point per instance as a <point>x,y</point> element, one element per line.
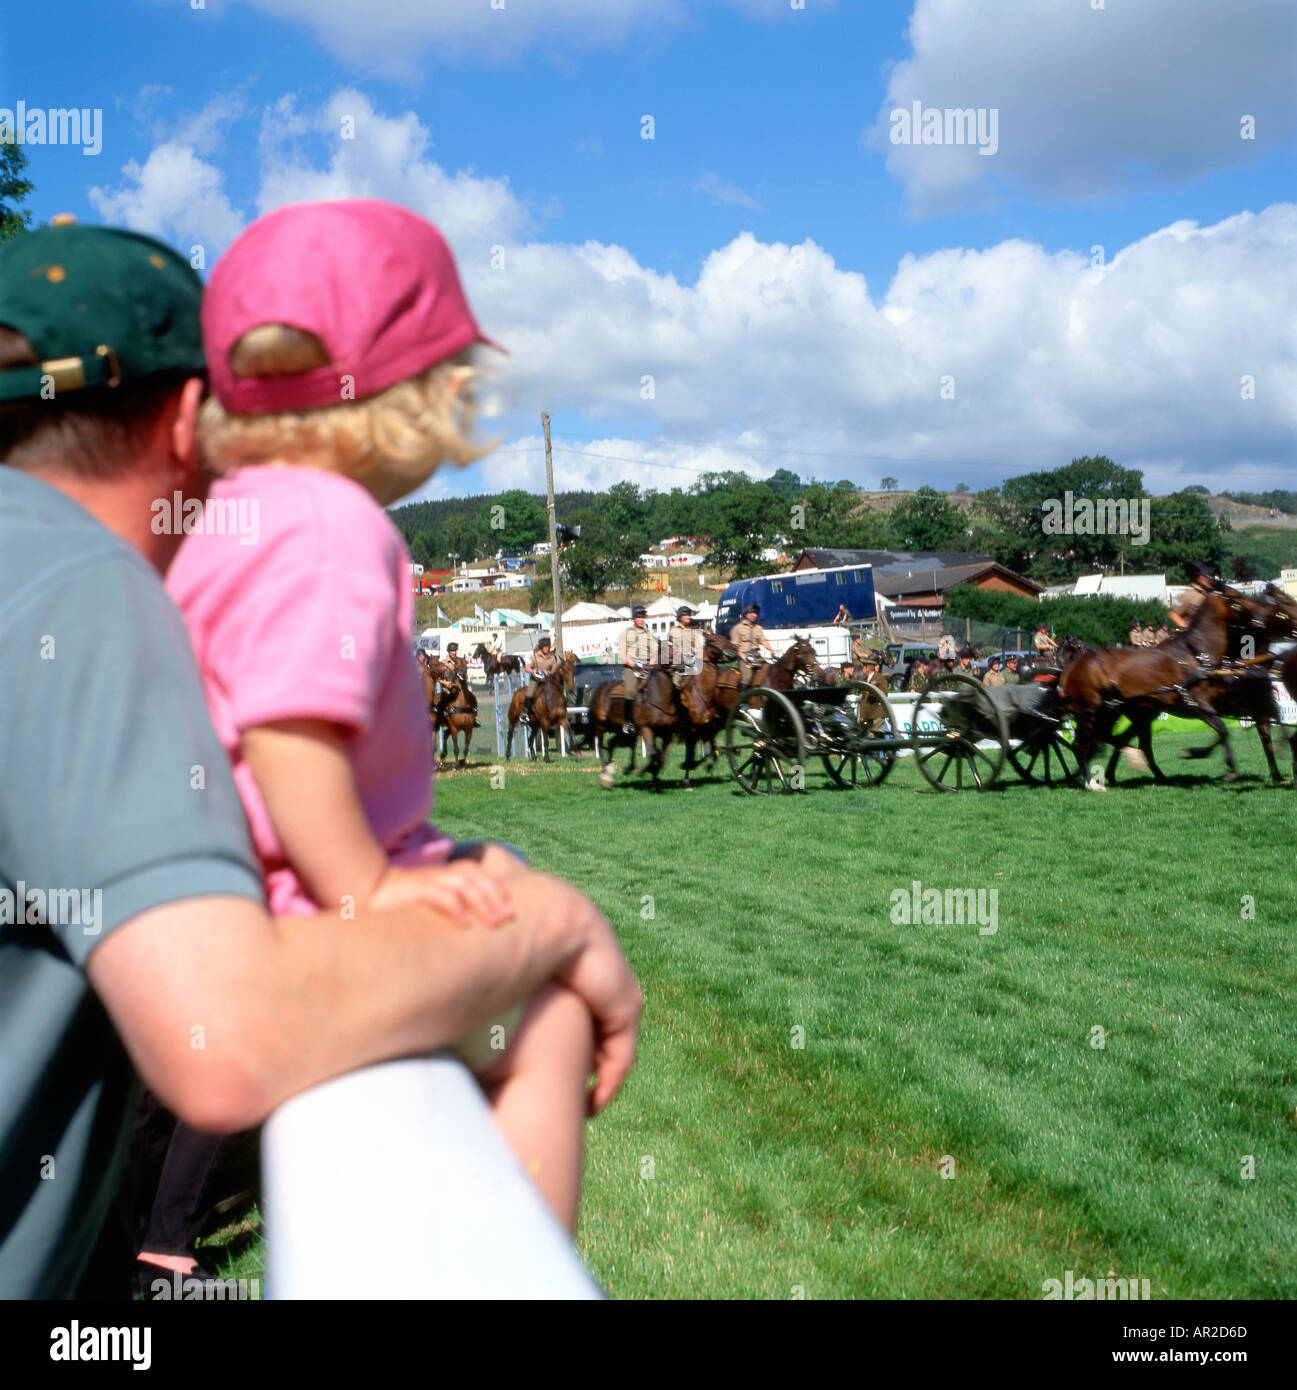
<point>590,613</point>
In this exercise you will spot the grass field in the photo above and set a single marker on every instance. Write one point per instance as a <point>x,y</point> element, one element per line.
<point>1100,1074</point>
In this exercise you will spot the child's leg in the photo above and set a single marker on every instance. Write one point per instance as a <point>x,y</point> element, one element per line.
<point>538,1094</point>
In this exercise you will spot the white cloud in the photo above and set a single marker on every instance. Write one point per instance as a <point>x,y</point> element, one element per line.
<point>722,191</point>
<point>396,36</point>
<point>174,194</point>
<point>778,347</point>
<point>401,36</point>
<point>1091,101</point>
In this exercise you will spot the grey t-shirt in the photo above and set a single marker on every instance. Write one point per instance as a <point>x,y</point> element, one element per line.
<point>115,797</point>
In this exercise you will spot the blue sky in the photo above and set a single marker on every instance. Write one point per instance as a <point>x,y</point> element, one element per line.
<point>666,257</point>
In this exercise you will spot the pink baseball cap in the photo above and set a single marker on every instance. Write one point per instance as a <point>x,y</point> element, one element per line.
<point>376,284</point>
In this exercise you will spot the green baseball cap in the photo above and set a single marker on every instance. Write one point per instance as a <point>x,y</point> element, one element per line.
<point>100,305</point>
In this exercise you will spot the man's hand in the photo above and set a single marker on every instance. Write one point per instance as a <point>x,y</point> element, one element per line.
<point>462,890</point>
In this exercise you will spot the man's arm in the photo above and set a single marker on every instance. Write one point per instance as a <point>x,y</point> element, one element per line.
<point>227,1012</point>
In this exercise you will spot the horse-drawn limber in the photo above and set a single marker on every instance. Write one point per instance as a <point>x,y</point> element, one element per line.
<point>961,734</point>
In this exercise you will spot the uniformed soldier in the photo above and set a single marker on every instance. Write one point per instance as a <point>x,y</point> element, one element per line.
<point>994,676</point>
<point>966,667</point>
<point>1136,638</point>
<point>1191,600</point>
<point>1150,636</point>
<point>639,652</point>
<point>542,663</point>
<point>1011,673</point>
<point>1162,634</point>
<point>919,673</point>
<point>749,637</point>
<point>684,647</point>
<point>459,665</point>
<point>1044,643</point>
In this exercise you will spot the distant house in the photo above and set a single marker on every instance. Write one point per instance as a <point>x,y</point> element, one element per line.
<point>920,596</point>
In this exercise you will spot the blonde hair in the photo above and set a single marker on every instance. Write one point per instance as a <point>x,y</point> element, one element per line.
<point>389,442</point>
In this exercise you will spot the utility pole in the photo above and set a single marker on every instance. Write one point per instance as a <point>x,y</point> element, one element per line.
<point>553,539</point>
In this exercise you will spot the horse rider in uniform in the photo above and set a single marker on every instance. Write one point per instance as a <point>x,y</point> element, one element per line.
<point>543,663</point>
<point>1136,636</point>
<point>639,651</point>
<point>459,665</point>
<point>749,636</point>
<point>1190,601</point>
<point>1044,643</point>
<point>685,644</point>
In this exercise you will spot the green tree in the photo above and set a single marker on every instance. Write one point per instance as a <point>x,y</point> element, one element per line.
<point>1024,506</point>
<point>626,510</point>
<point>1182,528</point>
<point>604,558</point>
<point>14,187</point>
<point>888,484</point>
<point>513,522</point>
<point>962,487</point>
<point>927,521</point>
<point>784,483</point>
<point>460,536</point>
<point>835,517</point>
<point>740,519</point>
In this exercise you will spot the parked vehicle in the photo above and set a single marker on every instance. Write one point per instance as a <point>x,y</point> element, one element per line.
<point>800,599</point>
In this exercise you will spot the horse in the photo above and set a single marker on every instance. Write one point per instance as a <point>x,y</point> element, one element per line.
<point>607,721</point>
<point>548,709</point>
<point>455,716</point>
<point>1100,684</point>
<point>494,665</point>
<point>1245,690</point>
<point>702,715</point>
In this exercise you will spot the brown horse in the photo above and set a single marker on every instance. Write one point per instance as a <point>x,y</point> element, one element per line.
<point>607,727</point>
<point>548,709</point>
<point>1100,684</point>
<point>454,714</point>
<point>497,665</point>
<point>1244,689</point>
<point>778,675</point>
<point>700,715</point>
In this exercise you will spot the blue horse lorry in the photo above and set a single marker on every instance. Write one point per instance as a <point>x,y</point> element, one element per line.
<point>801,599</point>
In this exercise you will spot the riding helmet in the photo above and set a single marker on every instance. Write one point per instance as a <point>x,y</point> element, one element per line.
<point>684,612</point>
<point>639,611</point>
<point>751,608</point>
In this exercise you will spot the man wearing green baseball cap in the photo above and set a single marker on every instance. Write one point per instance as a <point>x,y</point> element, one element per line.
<point>133,935</point>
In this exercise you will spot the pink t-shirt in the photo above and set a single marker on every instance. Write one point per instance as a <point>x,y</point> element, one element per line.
<point>303,609</point>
